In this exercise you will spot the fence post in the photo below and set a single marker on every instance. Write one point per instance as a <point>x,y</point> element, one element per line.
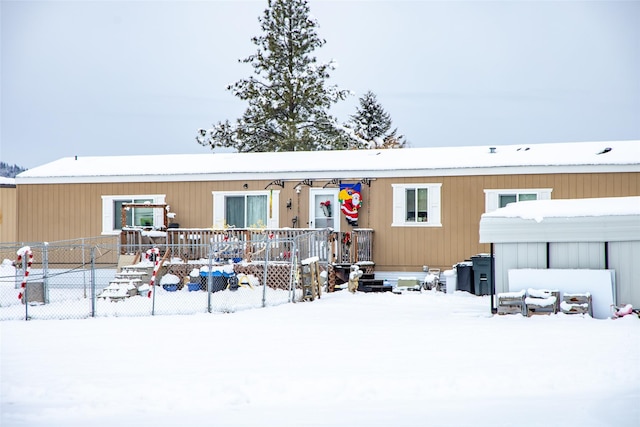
<point>293,272</point>
<point>26,288</point>
<point>45,271</point>
<point>156,284</point>
<point>84,270</point>
<point>265,274</point>
<point>209,277</point>
<point>93,281</point>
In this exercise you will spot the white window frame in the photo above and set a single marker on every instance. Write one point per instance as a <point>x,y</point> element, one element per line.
<point>434,205</point>
<point>492,197</point>
<point>109,214</point>
<point>219,206</point>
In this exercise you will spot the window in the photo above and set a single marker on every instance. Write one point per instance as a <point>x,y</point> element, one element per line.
<point>135,217</point>
<point>416,205</point>
<point>495,199</point>
<point>246,209</point>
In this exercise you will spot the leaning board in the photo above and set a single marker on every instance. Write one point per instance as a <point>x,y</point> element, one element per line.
<point>599,283</point>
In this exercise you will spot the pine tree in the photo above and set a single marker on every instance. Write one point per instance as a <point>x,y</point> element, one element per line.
<point>10,171</point>
<point>288,98</point>
<point>370,127</point>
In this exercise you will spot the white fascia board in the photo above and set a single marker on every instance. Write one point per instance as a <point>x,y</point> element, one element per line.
<point>331,174</point>
<point>610,228</point>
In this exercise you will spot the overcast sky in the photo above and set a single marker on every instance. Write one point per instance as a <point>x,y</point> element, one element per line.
<point>135,77</point>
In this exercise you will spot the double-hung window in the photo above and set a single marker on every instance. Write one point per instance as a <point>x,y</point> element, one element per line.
<point>416,205</point>
<point>135,216</point>
<point>496,199</point>
<point>246,209</point>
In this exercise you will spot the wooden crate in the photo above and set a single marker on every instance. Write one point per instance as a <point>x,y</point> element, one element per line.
<point>511,303</point>
<point>576,304</point>
<point>542,301</point>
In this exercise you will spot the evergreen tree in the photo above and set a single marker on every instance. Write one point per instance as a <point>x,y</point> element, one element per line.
<point>287,96</point>
<point>10,171</point>
<point>370,127</point>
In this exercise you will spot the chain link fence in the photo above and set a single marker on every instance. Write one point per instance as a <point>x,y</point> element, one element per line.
<point>99,278</point>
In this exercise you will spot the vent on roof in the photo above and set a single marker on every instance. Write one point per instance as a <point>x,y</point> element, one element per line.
<point>606,150</point>
<point>492,150</point>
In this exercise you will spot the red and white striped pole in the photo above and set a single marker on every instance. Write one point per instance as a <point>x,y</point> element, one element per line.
<point>28,255</point>
<point>155,251</point>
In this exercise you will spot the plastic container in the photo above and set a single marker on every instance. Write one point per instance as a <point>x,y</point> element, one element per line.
<point>220,279</point>
<point>451,280</point>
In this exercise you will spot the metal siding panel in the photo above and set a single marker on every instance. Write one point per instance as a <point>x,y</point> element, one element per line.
<point>577,255</point>
<point>516,255</point>
<point>623,258</point>
<point>505,258</point>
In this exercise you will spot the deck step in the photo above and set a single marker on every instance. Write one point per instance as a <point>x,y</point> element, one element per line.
<point>373,285</point>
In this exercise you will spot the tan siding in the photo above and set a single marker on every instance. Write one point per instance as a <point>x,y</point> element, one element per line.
<point>8,220</point>
<point>57,212</point>
<point>463,204</point>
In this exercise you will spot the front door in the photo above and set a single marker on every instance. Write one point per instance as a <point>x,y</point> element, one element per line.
<point>324,210</point>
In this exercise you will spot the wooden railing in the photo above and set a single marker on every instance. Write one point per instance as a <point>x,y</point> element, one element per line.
<point>253,244</point>
<point>353,247</point>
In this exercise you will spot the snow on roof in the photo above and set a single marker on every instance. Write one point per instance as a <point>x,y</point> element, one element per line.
<point>606,219</point>
<point>479,160</point>
<point>7,181</point>
<point>538,210</point>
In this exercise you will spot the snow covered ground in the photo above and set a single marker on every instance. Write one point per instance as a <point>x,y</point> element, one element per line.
<point>415,359</point>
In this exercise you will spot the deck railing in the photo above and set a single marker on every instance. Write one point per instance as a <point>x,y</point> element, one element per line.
<point>251,244</point>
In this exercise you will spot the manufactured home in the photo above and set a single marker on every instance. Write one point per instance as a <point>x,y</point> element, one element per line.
<point>421,206</point>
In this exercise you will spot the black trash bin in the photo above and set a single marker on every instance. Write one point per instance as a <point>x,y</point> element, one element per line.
<point>482,273</point>
<point>219,280</point>
<point>464,271</point>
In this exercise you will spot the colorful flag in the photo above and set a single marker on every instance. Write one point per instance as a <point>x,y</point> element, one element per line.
<point>350,201</point>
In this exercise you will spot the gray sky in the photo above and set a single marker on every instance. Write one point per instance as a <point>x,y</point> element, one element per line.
<point>135,77</point>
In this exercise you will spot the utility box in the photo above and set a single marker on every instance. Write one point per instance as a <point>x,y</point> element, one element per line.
<point>482,267</point>
<point>34,293</point>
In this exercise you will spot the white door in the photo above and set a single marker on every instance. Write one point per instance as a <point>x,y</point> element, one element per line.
<point>324,210</point>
